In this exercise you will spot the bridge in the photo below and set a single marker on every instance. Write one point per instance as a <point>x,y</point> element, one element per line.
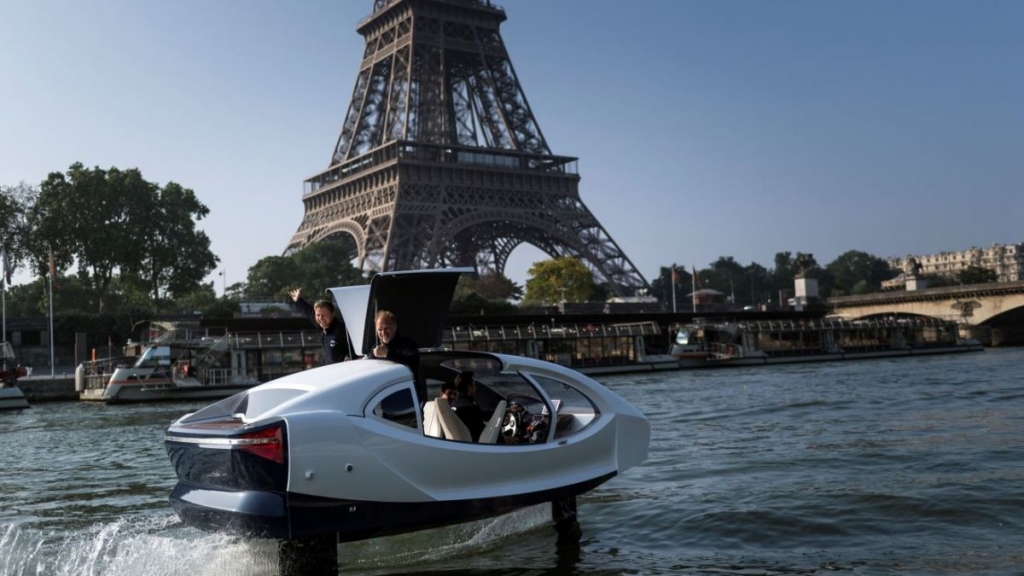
<point>992,313</point>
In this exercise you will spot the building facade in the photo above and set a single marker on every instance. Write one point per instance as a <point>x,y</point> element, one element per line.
<point>1006,260</point>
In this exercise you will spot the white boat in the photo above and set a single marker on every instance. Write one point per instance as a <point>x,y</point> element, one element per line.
<point>356,449</point>
<point>755,343</point>
<point>600,347</point>
<point>11,396</point>
<point>190,364</point>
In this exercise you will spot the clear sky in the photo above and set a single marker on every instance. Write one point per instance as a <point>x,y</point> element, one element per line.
<point>704,128</point>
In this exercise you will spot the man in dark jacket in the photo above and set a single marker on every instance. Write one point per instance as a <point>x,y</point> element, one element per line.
<point>334,338</point>
<point>465,405</point>
<point>397,348</point>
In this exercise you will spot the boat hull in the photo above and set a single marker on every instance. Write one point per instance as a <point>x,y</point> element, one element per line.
<point>291,515</point>
<point>12,398</point>
<point>133,393</point>
<point>740,361</point>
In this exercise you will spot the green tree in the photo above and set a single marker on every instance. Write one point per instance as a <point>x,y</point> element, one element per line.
<point>92,216</point>
<point>757,280</point>
<point>112,222</point>
<point>494,286</point>
<point>273,276</point>
<point>937,280</point>
<point>486,294</point>
<point>176,256</point>
<point>14,203</point>
<point>781,276</point>
<point>856,272</point>
<point>662,286</point>
<point>200,300</point>
<point>976,275</point>
<point>321,265</point>
<point>563,278</point>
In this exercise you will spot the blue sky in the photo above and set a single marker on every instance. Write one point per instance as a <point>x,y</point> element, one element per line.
<point>736,128</point>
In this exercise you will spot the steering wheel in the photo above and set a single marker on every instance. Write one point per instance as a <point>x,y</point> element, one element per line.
<point>510,425</point>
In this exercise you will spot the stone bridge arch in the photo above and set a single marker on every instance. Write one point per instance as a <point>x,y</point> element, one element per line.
<point>991,312</point>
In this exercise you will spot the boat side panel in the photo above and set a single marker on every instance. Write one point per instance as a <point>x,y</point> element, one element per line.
<point>272,515</point>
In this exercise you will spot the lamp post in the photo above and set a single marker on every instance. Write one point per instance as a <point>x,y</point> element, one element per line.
<point>752,302</point>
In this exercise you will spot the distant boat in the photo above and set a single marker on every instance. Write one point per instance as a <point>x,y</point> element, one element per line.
<point>593,348</point>
<point>755,343</point>
<point>193,365</point>
<point>11,397</point>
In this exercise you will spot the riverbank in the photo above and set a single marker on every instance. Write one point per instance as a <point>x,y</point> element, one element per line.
<point>57,388</point>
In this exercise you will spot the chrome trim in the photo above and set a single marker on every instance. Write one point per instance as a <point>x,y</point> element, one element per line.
<point>221,442</point>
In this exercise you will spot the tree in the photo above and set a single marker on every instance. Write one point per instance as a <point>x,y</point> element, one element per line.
<point>487,294</point>
<point>315,268</point>
<point>14,202</point>
<point>976,275</point>
<point>273,276</point>
<point>781,276</point>
<point>758,277</point>
<point>563,278</point>
<point>662,286</point>
<point>177,256</point>
<point>496,286</point>
<point>856,272</point>
<point>114,221</point>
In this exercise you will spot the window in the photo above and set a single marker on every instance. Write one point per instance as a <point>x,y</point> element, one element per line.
<point>396,405</point>
<point>573,410</point>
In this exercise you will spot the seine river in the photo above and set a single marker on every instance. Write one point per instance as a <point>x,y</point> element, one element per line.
<point>901,466</point>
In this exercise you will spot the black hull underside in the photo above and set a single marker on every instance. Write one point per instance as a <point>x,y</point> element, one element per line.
<point>287,515</point>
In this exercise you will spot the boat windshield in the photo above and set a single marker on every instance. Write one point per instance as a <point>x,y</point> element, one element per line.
<point>683,337</point>
<point>154,357</point>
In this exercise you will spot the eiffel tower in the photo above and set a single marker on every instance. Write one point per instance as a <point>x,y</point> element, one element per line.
<point>440,161</point>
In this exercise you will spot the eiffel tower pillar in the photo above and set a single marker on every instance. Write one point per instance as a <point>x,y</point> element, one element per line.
<point>440,161</point>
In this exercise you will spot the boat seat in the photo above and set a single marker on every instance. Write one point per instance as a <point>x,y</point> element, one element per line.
<point>431,422</point>
<point>493,426</point>
<point>453,427</point>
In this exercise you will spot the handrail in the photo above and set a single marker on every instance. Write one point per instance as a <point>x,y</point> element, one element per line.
<point>471,333</point>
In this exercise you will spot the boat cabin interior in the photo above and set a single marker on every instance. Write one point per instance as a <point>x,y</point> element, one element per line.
<point>517,406</point>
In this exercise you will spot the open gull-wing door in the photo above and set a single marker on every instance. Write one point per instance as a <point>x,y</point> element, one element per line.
<point>419,299</point>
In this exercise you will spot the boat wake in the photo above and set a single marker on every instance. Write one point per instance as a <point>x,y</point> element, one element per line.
<point>442,544</point>
<point>153,546</point>
<point>161,546</point>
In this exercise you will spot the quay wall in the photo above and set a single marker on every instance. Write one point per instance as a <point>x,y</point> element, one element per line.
<point>46,389</point>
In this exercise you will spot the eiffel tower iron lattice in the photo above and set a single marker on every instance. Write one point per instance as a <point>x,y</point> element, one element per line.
<point>440,161</point>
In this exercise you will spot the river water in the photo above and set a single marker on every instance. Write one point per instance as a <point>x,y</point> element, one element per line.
<point>899,466</point>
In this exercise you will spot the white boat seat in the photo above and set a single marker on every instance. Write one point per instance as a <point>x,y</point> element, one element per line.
<point>431,423</point>
<point>493,426</point>
<point>454,428</point>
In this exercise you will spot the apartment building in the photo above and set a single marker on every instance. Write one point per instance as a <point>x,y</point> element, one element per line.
<point>1006,260</point>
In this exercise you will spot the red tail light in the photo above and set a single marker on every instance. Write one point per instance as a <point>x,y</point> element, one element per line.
<point>266,443</point>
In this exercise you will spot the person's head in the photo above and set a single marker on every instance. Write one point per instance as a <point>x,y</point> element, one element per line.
<point>465,385</point>
<point>386,325</point>
<point>324,312</point>
<point>448,391</point>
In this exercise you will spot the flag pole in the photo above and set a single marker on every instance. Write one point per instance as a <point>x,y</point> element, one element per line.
<point>6,274</point>
<point>51,314</point>
<point>674,273</point>
<point>693,288</point>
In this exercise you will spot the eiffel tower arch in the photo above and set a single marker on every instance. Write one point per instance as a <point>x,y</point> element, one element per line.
<point>440,161</point>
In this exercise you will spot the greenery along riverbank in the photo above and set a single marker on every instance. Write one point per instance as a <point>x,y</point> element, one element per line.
<point>122,249</point>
